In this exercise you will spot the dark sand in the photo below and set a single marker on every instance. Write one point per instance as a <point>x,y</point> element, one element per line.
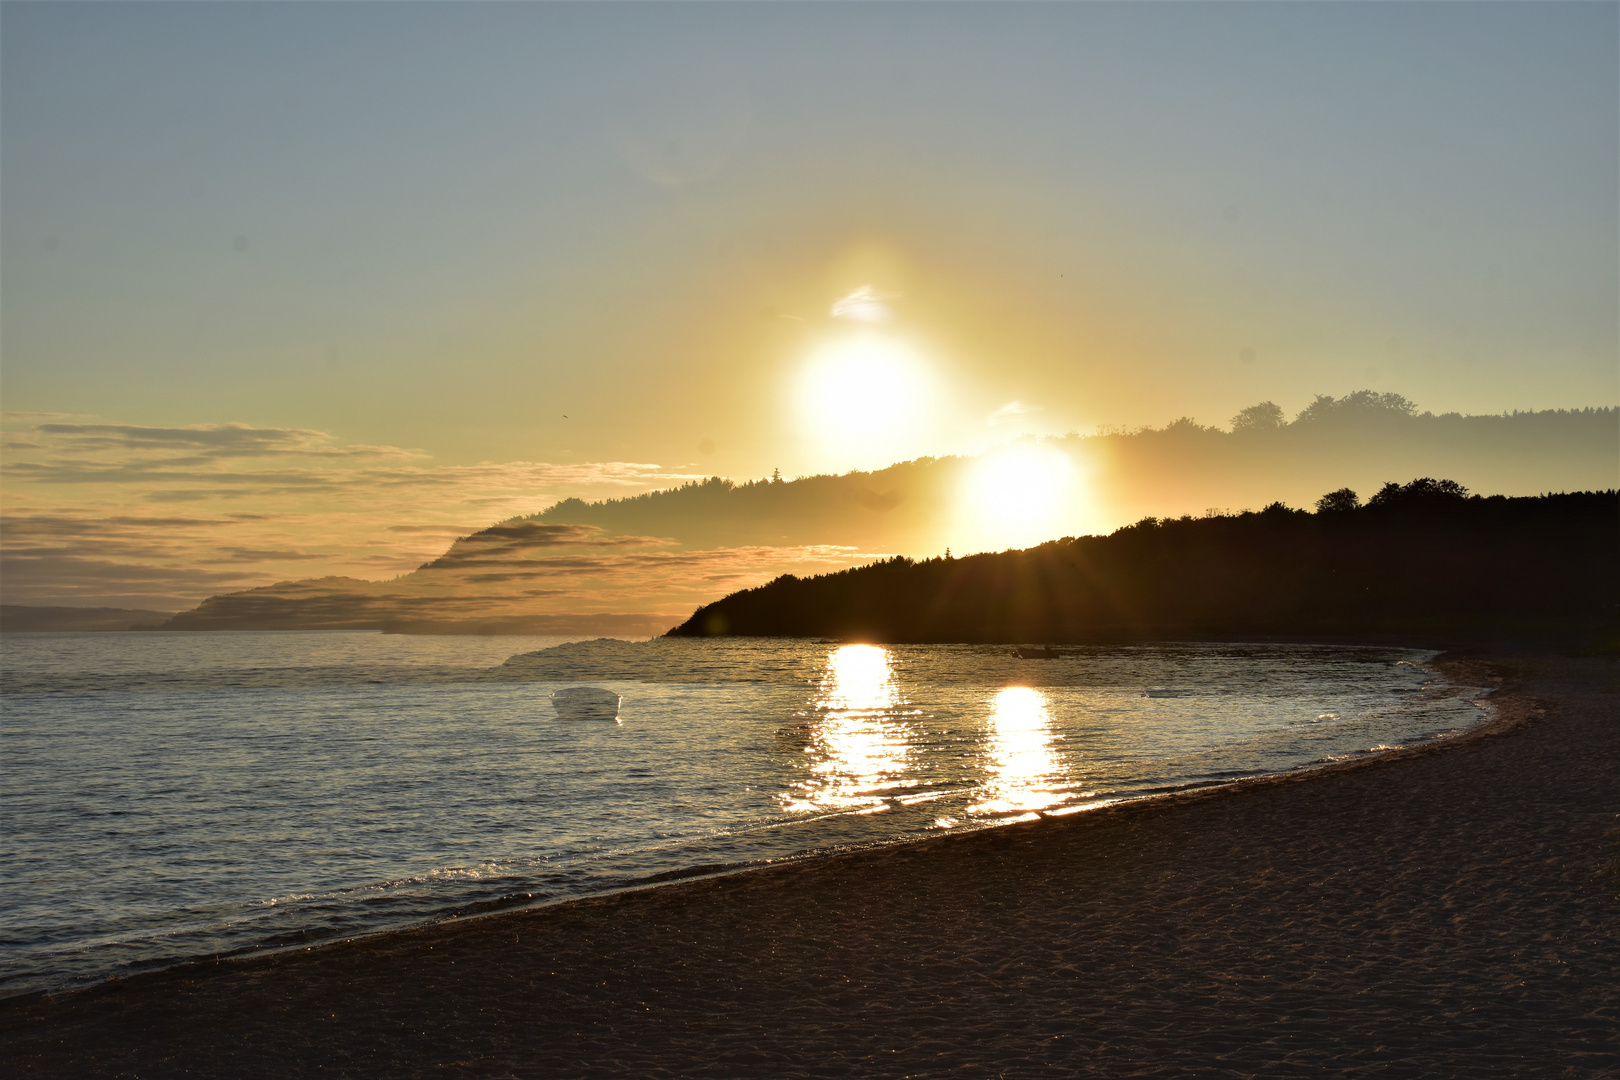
<point>1441,913</point>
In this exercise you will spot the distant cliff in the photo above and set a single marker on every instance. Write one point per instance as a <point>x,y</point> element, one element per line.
<point>1421,557</point>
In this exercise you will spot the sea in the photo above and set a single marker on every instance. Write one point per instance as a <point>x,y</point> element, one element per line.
<point>171,797</point>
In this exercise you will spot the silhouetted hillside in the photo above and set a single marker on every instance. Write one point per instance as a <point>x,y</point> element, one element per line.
<point>619,565</point>
<point>1421,557</point>
<point>517,578</point>
<point>1183,467</point>
<point>897,508</point>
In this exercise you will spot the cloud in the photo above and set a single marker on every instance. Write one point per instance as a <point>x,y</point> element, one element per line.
<point>865,304</point>
<point>260,555</point>
<point>79,581</point>
<point>1012,410</point>
<point>457,591</point>
<point>127,537</point>
<point>255,499</point>
<point>24,416</point>
<point>211,441</point>
<point>37,525</point>
<point>379,526</point>
<point>190,464</point>
<point>233,462</point>
<point>234,508</point>
<point>500,545</point>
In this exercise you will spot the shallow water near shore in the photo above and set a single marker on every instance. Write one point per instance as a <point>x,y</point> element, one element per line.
<point>174,796</point>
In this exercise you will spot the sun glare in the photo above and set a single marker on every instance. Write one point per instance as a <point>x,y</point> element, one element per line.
<point>864,397</point>
<point>1019,495</point>
<point>859,747</point>
<point>1024,772</point>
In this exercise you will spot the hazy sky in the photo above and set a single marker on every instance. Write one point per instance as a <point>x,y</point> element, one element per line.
<point>526,237</point>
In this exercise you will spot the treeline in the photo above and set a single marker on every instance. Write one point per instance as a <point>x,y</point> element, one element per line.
<point>1420,558</point>
<point>896,508</point>
<point>1365,407</point>
<point>1182,467</point>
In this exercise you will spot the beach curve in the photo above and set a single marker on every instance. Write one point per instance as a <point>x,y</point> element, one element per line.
<point>1438,909</point>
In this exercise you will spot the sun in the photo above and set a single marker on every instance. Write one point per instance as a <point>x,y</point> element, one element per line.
<point>1019,495</point>
<point>864,397</point>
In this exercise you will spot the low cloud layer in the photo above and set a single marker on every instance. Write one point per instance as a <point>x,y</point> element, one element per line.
<point>523,579</point>
<point>232,506</point>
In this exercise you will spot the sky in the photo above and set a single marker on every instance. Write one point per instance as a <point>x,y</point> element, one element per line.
<point>299,288</point>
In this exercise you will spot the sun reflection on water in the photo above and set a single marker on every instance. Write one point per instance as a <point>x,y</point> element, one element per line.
<point>859,748</point>
<point>1025,774</point>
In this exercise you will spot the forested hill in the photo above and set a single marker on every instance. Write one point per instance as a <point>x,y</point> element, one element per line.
<point>1423,557</point>
<point>1185,467</point>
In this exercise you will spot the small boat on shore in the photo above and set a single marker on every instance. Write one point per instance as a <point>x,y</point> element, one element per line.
<point>585,703</point>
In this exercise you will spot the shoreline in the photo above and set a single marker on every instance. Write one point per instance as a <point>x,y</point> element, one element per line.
<point>1473,677</point>
<point>585,938</point>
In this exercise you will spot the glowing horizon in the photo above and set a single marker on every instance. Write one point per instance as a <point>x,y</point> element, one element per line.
<point>297,290</point>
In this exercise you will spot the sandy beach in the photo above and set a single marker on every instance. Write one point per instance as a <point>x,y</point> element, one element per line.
<point>1447,910</point>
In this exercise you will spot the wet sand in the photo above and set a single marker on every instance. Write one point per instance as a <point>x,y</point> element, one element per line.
<point>1442,911</point>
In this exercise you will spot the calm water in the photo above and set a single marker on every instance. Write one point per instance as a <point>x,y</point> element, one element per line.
<point>169,796</point>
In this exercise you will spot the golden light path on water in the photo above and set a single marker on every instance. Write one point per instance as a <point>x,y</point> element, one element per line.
<point>862,746</point>
<point>859,745</point>
<point>1024,770</point>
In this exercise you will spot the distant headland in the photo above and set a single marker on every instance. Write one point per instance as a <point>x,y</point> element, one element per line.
<point>1423,557</point>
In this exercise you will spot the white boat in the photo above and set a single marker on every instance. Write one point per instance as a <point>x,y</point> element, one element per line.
<point>585,703</point>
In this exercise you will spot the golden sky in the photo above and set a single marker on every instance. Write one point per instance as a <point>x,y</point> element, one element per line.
<point>319,287</point>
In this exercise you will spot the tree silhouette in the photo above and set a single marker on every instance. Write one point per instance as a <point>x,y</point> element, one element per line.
<point>1422,491</point>
<point>1338,502</point>
<point>1422,560</point>
<point>1361,405</point>
<point>1266,416</point>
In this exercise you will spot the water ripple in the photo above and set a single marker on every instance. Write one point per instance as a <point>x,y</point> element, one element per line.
<point>170,796</point>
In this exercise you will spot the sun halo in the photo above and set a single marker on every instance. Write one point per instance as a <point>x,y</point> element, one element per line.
<point>1019,494</point>
<point>864,396</point>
